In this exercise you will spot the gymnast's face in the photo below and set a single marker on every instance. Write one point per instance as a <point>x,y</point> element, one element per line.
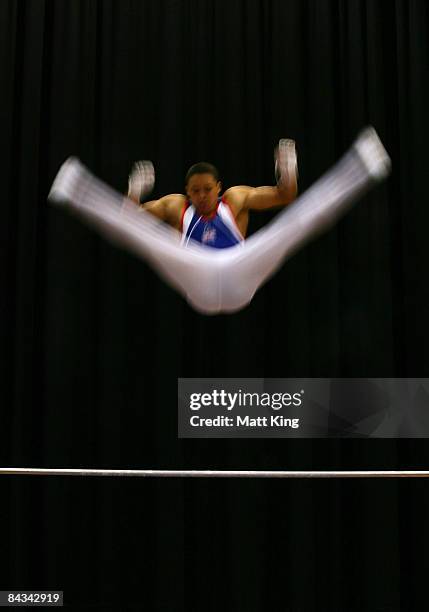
<point>203,191</point>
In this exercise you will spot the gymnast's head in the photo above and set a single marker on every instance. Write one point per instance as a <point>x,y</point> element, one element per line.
<point>203,187</point>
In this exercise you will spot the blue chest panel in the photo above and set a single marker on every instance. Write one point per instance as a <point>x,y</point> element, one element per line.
<point>211,232</point>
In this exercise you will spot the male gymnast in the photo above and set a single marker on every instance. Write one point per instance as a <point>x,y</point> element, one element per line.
<point>221,280</point>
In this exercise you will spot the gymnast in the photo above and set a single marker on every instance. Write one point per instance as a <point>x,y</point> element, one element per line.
<point>197,243</point>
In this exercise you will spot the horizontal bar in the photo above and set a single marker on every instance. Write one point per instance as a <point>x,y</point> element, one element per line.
<point>11,471</point>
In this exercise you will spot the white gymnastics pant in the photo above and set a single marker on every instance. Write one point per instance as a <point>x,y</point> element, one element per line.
<point>223,280</point>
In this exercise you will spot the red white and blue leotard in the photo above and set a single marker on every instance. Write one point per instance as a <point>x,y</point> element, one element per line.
<point>218,230</point>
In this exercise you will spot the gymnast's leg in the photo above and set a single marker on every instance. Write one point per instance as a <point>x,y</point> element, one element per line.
<point>315,211</point>
<point>194,271</point>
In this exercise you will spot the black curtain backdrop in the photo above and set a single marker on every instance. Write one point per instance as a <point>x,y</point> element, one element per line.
<point>93,342</point>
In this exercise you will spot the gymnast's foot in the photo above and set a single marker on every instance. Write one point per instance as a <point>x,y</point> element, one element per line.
<point>373,154</point>
<point>68,181</point>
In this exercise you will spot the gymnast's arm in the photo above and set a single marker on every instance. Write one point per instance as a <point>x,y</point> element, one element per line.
<point>167,208</point>
<point>262,198</point>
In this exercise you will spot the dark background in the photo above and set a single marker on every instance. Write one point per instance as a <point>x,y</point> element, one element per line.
<point>93,342</point>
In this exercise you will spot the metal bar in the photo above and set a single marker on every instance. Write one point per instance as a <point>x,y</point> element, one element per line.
<point>13,471</point>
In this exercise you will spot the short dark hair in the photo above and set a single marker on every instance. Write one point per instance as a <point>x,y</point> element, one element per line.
<point>202,168</point>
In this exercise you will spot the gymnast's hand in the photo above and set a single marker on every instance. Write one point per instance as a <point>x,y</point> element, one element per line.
<point>141,180</point>
<point>286,165</point>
